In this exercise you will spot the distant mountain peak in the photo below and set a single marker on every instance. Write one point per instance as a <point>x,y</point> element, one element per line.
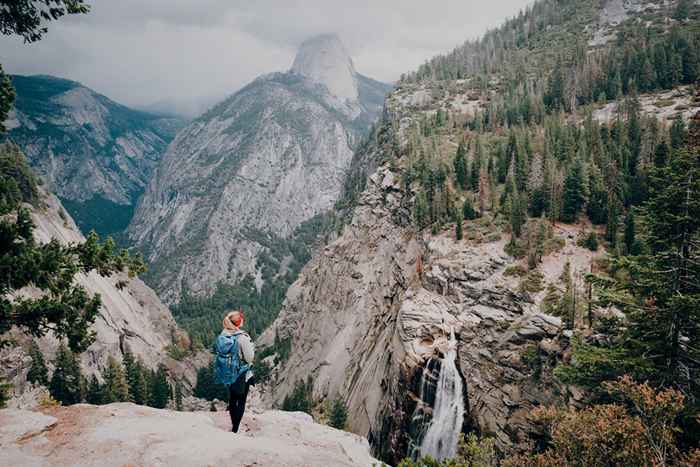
<point>324,59</point>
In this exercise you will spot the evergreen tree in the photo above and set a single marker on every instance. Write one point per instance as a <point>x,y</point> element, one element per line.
<point>178,396</point>
<point>661,154</point>
<point>38,374</point>
<point>136,379</point>
<point>573,194</point>
<point>475,174</point>
<point>458,226</point>
<point>468,212</point>
<point>339,414</point>
<point>94,392</point>
<point>630,235</point>
<point>160,389</point>
<point>682,9</point>
<point>421,211</point>
<point>460,166</point>
<point>678,133</point>
<point>301,398</point>
<point>115,387</point>
<point>65,381</point>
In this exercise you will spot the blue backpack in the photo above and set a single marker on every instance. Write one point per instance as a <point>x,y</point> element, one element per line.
<point>228,362</point>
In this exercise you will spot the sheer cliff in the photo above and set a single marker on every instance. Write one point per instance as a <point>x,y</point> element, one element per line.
<point>249,172</point>
<point>95,155</point>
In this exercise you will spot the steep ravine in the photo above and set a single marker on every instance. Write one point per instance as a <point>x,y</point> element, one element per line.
<point>375,307</point>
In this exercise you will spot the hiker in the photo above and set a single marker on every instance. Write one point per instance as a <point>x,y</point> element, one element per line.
<point>234,359</point>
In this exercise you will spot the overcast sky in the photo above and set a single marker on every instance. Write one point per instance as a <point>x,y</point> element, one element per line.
<point>141,52</point>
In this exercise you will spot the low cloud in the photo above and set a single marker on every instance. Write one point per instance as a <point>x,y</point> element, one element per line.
<point>192,52</point>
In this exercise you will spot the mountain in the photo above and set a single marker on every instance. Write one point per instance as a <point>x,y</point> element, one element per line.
<point>94,154</point>
<point>239,186</point>
<point>456,298</point>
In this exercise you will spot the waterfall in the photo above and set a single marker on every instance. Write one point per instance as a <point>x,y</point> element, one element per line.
<point>440,440</point>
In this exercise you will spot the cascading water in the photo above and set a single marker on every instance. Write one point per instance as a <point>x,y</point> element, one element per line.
<point>440,440</point>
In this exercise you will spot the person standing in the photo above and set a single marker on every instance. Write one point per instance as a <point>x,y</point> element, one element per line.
<point>234,351</point>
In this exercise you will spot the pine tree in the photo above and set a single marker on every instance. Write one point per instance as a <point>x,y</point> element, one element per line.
<point>475,174</point>
<point>136,379</point>
<point>460,166</point>
<point>339,414</point>
<point>178,396</point>
<point>65,381</point>
<point>468,212</point>
<point>115,387</point>
<point>94,392</point>
<point>458,226</point>
<point>573,194</point>
<point>160,389</point>
<point>38,374</point>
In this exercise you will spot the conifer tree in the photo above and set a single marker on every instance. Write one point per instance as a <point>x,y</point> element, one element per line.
<point>460,166</point>
<point>339,414</point>
<point>475,174</point>
<point>94,392</point>
<point>468,212</point>
<point>115,387</point>
<point>178,396</point>
<point>160,389</point>
<point>38,374</point>
<point>458,226</point>
<point>65,381</point>
<point>136,379</point>
<point>573,194</point>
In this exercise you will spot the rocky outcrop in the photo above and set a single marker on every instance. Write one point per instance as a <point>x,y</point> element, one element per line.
<point>131,318</point>
<point>245,175</point>
<point>93,153</point>
<point>127,434</point>
<point>372,312</point>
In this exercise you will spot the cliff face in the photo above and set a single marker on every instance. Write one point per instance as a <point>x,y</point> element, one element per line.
<point>369,318</point>
<point>94,154</point>
<point>132,318</point>
<point>253,169</point>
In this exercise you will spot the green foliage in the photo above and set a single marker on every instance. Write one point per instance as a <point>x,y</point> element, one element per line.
<point>38,373</point>
<point>7,97</point>
<point>591,241</point>
<point>115,388</point>
<point>94,392</point>
<point>160,390</point>
<point>27,18</point>
<point>65,384</point>
<point>207,387</point>
<point>301,398</point>
<point>136,378</point>
<point>339,414</point>
<point>468,212</point>
<point>178,396</point>
<point>4,393</point>
<point>65,307</point>
<point>471,452</point>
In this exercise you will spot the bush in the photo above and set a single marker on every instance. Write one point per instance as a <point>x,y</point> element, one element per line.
<point>471,452</point>
<point>590,241</point>
<point>639,431</point>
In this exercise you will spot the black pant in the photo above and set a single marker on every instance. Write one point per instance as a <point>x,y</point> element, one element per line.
<point>237,394</point>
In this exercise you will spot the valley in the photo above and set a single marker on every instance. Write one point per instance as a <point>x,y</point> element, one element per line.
<point>492,261</point>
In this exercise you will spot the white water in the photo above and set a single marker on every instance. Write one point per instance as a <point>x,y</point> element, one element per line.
<point>440,441</point>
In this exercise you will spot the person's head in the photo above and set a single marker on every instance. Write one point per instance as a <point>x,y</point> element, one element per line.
<point>233,320</point>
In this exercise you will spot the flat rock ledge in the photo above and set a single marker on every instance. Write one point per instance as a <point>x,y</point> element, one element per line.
<point>128,434</point>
